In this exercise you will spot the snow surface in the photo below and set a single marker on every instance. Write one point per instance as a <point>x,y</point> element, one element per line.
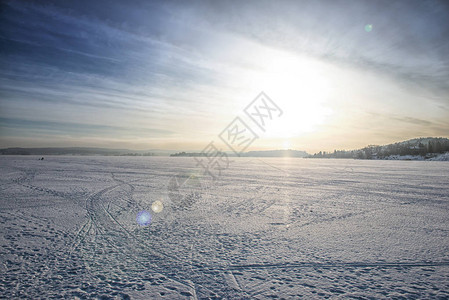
<point>436,157</point>
<point>441,157</point>
<point>267,228</point>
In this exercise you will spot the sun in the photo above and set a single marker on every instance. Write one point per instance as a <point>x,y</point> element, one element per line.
<point>301,88</point>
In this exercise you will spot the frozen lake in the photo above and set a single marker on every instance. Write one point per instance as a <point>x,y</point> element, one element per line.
<point>267,228</point>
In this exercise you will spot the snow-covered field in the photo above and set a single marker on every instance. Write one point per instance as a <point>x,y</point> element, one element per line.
<point>434,157</point>
<point>267,228</point>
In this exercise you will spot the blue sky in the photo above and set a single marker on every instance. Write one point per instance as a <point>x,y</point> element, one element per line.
<point>173,74</point>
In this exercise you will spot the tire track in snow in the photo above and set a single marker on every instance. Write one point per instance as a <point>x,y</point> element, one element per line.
<point>94,208</point>
<point>186,267</point>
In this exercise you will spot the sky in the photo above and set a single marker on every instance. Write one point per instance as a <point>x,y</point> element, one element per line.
<point>174,74</point>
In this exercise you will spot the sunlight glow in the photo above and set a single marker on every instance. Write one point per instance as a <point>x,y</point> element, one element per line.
<point>301,87</point>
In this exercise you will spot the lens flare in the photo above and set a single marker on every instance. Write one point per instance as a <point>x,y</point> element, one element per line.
<point>157,206</point>
<point>368,27</point>
<point>143,218</point>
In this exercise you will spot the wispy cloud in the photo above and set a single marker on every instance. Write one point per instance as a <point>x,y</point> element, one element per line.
<point>175,69</point>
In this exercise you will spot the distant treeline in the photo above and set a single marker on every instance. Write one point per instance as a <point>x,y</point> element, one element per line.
<point>422,146</point>
<point>189,154</point>
<point>72,151</point>
<point>267,153</point>
<point>136,154</point>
